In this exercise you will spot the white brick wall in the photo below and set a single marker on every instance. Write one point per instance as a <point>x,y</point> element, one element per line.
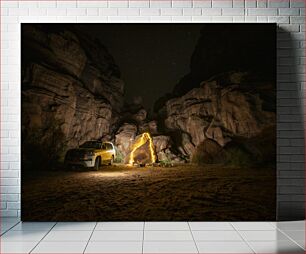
<point>289,14</point>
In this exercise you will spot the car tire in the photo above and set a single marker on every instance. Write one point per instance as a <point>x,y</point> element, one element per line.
<point>111,161</point>
<point>97,163</point>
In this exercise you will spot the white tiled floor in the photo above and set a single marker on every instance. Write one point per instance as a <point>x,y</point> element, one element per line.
<point>152,237</point>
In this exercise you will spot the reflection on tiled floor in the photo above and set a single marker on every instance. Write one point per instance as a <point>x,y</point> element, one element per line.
<point>152,237</point>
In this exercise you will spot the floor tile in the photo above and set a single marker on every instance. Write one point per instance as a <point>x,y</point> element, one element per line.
<point>291,225</point>
<point>63,226</point>
<point>69,236</point>
<point>167,236</point>
<point>5,226</point>
<point>33,226</point>
<point>273,235</point>
<point>223,247</point>
<point>169,247</point>
<point>120,226</point>
<point>216,236</point>
<point>253,226</point>
<point>60,247</point>
<point>276,247</point>
<point>100,236</point>
<point>114,247</point>
<point>211,226</point>
<point>3,230</point>
<point>166,226</point>
<point>23,236</point>
<point>17,247</point>
<point>301,243</point>
<point>297,236</point>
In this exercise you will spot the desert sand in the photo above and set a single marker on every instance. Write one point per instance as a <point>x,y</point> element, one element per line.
<point>123,193</point>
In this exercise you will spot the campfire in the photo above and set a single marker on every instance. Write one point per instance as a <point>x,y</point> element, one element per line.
<point>142,151</point>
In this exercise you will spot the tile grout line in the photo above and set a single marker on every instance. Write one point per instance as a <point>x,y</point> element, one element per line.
<point>193,237</point>
<point>290,238</point>
<point>42,238</point>
<point>273,225</point>
<point>143,232</point>
<point>246,242</point>
<point>90,236</point>
<point>10,228</point>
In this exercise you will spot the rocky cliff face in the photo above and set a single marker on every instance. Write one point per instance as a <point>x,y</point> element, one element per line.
<point>228,100</point>
<point>71,90</point>
<point>222,109</point>
<point>229,117</point>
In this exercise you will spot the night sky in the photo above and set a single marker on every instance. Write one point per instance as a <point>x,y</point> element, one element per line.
<point>151,57</point>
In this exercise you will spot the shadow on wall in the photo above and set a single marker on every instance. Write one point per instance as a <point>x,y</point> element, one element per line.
<point>290,130</point>
<point>43,148</point>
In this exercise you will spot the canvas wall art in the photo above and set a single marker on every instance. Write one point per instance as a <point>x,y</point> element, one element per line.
<point>155,122</point>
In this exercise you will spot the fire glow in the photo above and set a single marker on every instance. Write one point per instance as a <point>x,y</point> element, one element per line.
<point>141,141</point>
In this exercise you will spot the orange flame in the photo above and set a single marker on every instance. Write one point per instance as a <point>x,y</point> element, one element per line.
<point>143,139</point>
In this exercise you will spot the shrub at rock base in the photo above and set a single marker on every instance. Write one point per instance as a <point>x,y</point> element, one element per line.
<point>119,156</point>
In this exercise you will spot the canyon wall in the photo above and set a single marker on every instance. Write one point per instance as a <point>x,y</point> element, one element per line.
<point>222,110</point>
<point>71,91</point>
<point>226,105</point>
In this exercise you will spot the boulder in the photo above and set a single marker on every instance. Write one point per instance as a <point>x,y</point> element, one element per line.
<point>124,139</point>
<point>150,127</point>
<point>186,147</point>
<point>142,150</point>
<point>166,150</point>
<point>216,133</point>
<point>140,115</point>
<point>142,154</point>
<point>207,152</point>
<point>161,143</point>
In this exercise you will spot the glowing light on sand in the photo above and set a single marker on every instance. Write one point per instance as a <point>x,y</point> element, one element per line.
<point>142,140</point>
<point>111,174</point>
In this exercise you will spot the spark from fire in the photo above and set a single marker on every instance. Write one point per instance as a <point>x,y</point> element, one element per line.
<point>143,139</point>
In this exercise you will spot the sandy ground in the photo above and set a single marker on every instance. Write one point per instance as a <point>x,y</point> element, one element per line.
<point>185,192</point>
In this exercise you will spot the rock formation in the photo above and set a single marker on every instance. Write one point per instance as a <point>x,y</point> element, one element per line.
<point>135,121</point>
<point>124,139</point>
<point>229,95</point>
<point>220,110</point>
<point>71,90</point>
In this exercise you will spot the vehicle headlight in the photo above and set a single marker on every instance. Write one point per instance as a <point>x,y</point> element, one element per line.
<point>89,153</point>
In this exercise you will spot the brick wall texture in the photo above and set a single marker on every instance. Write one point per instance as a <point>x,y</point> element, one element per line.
<point>288,14</point>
